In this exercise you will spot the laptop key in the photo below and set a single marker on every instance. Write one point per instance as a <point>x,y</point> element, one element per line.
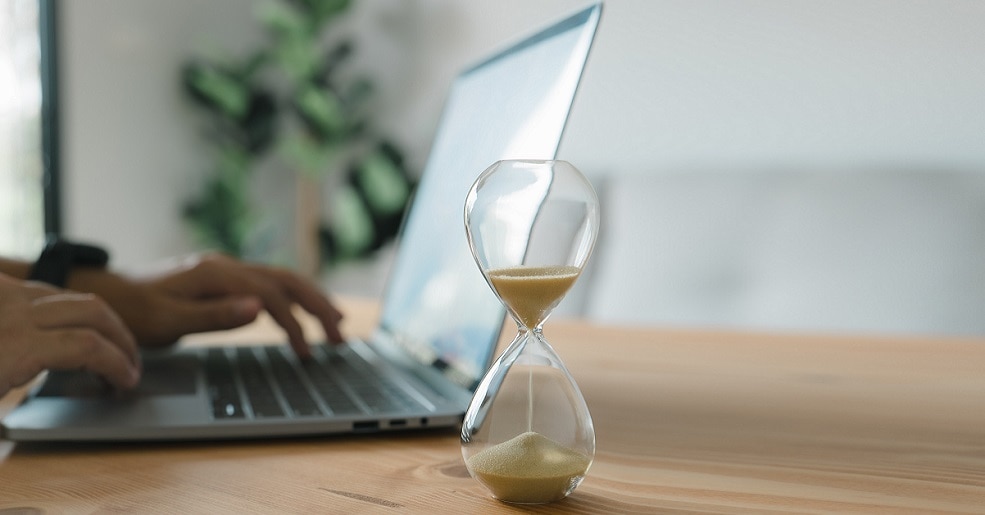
<point>222,387</point>
<point>291,386</point>
<point>328,388</point>
<point>375,389</point>
<point>366,383</point>
<point>263,399</point>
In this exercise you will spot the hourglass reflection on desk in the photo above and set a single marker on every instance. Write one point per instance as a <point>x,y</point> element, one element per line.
<point>527,435</point>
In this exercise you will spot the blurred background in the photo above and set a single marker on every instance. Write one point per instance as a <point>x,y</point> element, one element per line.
<point>762,164</point>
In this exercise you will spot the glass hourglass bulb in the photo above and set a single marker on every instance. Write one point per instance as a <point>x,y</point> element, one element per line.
<point>527,435</point>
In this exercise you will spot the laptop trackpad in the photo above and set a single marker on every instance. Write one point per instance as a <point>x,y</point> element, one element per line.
<point>163,375</point>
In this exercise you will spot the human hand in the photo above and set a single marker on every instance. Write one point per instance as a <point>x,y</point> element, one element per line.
<point>208,293</point>
<point>42,328</point>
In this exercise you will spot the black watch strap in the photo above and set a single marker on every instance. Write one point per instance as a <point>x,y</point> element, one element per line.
<point>60,256</point>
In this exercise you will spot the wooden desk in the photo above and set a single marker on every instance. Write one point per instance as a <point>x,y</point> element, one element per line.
<point>687,421</point>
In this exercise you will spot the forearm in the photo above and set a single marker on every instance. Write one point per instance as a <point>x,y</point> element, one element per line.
<point>112,287</point>
<point>14,268</point>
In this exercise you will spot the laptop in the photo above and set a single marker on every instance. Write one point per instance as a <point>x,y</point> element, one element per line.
<point>439,323</point>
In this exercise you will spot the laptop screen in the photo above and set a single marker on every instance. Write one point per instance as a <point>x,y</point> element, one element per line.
<point>513,105</point>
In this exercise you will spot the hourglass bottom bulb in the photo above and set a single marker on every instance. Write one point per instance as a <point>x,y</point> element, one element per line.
<point>529,469</point>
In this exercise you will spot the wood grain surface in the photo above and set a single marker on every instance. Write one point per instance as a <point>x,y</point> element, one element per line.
<point>687,421</point>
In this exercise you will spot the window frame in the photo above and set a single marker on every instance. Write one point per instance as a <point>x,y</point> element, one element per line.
<point>50,117</point>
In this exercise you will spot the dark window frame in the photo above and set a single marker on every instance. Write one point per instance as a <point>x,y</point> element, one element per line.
<point>50,116</point>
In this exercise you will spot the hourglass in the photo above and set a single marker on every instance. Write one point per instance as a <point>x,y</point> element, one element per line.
<point>527,435</point>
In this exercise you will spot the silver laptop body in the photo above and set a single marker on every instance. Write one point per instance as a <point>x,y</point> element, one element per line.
<point>439,322</point>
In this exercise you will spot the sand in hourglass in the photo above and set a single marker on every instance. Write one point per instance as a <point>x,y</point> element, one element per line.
<point>532,291</point>
<point>529,468</point>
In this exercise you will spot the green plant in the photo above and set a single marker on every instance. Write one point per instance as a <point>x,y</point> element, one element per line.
<point>290,98</point>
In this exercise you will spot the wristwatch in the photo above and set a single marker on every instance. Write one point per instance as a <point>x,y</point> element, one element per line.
<point>60,256</point>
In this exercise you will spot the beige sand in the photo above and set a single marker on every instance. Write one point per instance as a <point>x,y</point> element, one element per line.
<point>532,292</point>
<point>530,468</point>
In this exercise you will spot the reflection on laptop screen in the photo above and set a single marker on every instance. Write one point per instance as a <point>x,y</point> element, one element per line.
<point>513,105</point>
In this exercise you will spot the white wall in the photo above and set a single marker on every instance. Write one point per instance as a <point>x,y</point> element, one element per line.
<point>672,86</point>
<point>743,84</point>
<point>752,83</point>
<point>131,149</point>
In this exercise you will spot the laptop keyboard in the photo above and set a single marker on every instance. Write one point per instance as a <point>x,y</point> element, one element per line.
<point>266,382</point>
